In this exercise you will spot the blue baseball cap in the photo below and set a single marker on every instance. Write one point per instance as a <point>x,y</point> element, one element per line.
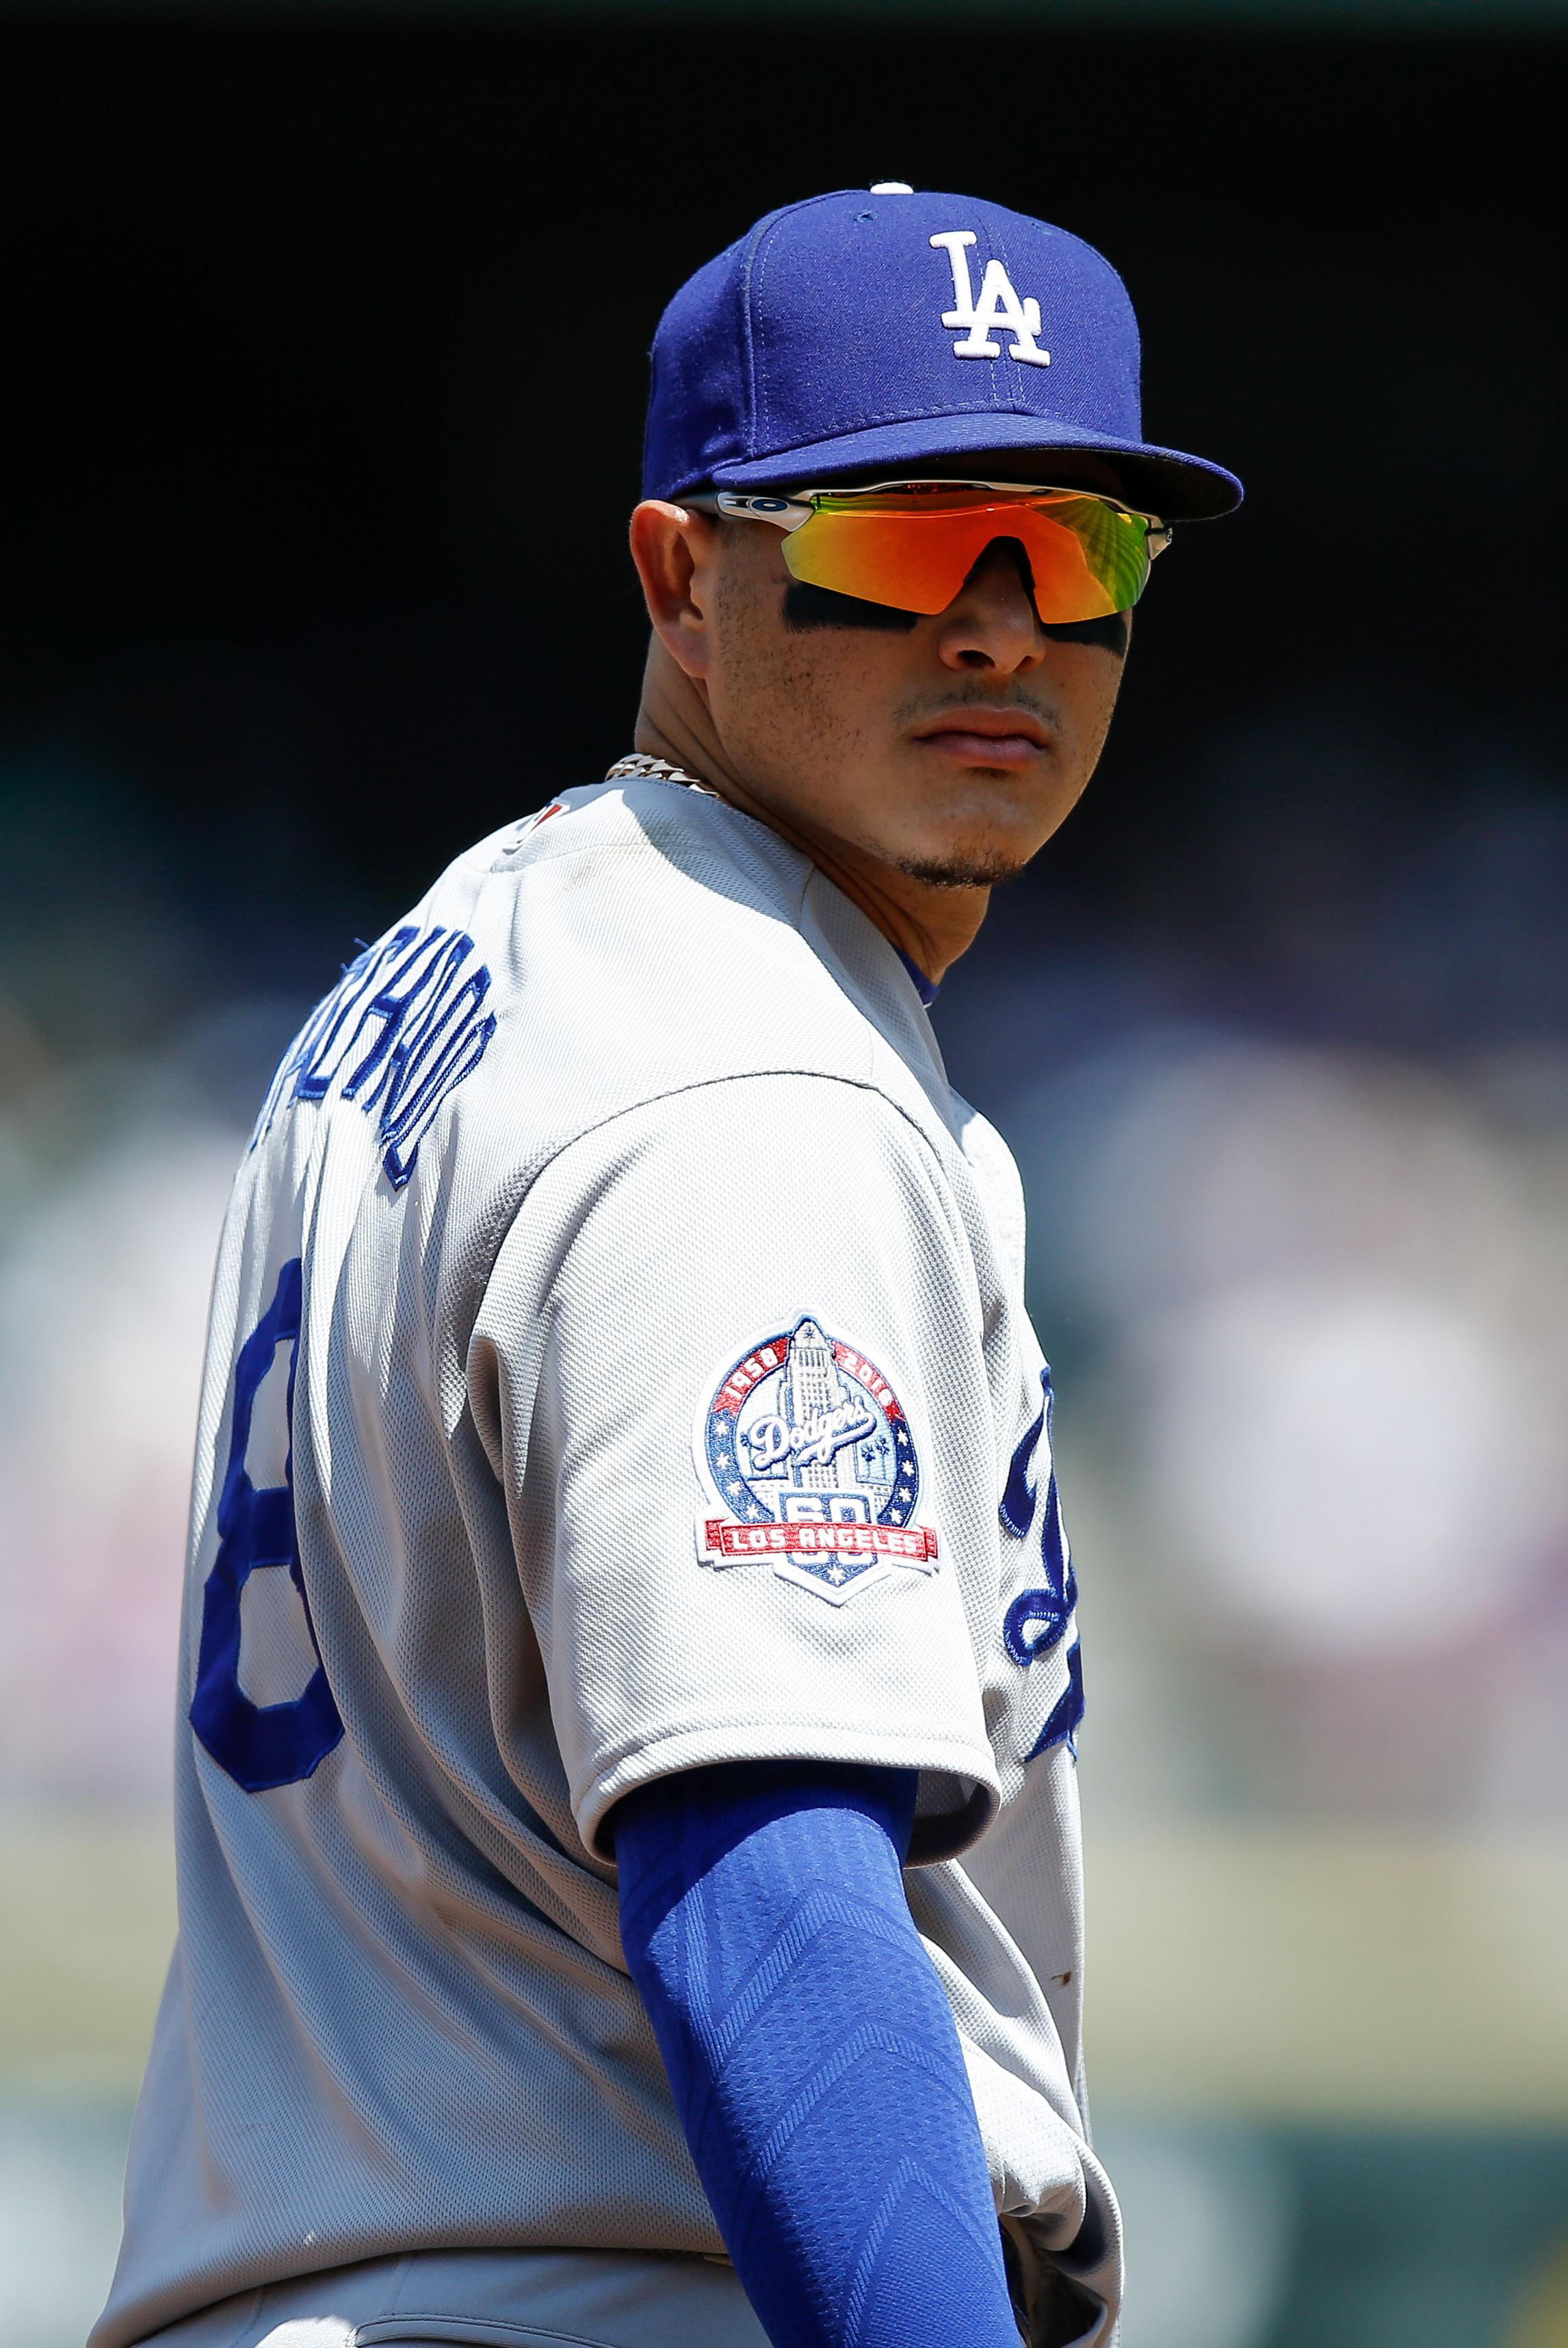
<point>866,334</point>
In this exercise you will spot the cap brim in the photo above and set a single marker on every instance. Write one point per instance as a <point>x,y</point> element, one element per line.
<point>1163,481</point>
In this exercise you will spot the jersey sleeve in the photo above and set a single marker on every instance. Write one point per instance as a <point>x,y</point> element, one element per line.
<point>729,1370</point>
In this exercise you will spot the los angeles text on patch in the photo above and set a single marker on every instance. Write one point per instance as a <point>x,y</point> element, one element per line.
<point>810,1455</point>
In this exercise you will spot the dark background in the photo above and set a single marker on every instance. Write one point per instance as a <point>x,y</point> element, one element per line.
<point>323,373</point>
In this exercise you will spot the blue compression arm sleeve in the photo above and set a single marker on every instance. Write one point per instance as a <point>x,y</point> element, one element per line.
<point>812,2053</point>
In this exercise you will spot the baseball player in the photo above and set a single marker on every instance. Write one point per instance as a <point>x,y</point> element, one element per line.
<point>629,1880</point>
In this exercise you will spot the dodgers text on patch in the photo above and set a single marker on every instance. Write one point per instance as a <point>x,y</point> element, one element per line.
<point>810,1455</point>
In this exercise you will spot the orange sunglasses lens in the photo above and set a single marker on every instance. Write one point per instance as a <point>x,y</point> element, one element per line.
<point>1087,559</point>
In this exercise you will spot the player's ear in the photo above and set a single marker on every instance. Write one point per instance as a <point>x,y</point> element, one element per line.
<point>674,550</point>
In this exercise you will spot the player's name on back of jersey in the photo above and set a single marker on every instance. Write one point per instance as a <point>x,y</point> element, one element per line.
<point>404,1024</point>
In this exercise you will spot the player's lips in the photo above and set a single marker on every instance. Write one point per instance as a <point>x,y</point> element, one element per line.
<point>988,737</point>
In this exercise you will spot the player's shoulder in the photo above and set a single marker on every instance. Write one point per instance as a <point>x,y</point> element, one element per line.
<point>657,936</point>
<point>658,837</point>
<point>623,943</point>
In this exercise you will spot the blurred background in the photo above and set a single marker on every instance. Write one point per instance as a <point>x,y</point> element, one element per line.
<point>323,365</point>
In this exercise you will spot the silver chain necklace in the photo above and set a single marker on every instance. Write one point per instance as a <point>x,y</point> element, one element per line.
<point>639,766</point>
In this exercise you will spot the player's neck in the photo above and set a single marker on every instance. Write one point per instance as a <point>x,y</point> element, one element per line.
<point>931,926</point>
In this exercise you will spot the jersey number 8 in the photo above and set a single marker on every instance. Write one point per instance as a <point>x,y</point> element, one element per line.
<point>259,1745</point>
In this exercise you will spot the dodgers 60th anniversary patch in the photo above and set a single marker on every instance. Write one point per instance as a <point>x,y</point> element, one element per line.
<point>810,1455</point>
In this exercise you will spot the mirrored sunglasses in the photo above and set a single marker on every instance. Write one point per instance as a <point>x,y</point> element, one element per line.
<point>912,544</point>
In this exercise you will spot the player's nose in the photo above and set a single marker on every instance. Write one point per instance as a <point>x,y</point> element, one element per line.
<point>991,622</point>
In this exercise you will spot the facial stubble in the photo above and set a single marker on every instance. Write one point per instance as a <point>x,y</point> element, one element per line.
<point>984,871</point>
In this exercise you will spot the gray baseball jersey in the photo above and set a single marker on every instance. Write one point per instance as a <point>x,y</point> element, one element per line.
<point>618,1363</point>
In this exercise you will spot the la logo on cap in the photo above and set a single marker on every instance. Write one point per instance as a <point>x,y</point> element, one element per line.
<point>999,310</point>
